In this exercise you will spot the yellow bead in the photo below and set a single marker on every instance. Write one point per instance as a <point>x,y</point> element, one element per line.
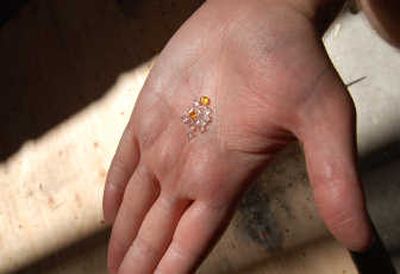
<point>204,100</point>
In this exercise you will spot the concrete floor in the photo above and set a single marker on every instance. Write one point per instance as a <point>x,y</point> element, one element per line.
<point>69,89</point>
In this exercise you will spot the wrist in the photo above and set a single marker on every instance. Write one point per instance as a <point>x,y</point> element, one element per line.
<point>384,17</point>
<point>319,12</point>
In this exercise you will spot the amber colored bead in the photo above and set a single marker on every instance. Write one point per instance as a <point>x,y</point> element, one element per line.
<point>193,114</point>
<point>204,100</point>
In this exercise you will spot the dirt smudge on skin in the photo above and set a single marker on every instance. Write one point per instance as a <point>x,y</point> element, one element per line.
<point>258,221</point>
<point>266,211</point>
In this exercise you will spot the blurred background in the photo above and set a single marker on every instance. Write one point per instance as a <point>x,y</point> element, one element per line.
<point>69,76</point>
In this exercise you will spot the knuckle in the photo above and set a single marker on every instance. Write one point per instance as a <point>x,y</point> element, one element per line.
<point>118,171</point>
<point>150,128</point>
<point>341,220</point>
<point>163,157</point>
<point>121,166</point>
<point>141,173</point>
<point>177,252</point>
<point>142,177</point>
<point>145,247</point>
<point>128,134</point>
<point>337,206</point>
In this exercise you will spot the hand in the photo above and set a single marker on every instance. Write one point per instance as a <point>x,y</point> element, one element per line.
<point>270,81</point>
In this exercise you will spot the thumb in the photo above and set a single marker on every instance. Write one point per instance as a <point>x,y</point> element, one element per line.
<point>327,131</point>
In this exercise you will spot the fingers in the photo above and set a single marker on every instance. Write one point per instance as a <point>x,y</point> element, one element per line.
<point>140,194</point>
<point>154,236</point>
<point>328,136</point>
<point>196,232</point>
<point>122,167</point>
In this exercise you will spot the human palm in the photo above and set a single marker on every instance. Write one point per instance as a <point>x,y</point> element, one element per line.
<point>269,81</point>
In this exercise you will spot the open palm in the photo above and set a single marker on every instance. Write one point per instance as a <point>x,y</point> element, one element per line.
<point>269,81</point>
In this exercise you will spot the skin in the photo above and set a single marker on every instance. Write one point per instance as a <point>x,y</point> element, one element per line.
<point>270,81</point>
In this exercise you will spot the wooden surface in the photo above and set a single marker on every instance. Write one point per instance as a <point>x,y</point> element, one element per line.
<point>72,72</point>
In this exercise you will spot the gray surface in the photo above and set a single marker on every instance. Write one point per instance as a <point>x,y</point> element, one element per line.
<point>358,52</point>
